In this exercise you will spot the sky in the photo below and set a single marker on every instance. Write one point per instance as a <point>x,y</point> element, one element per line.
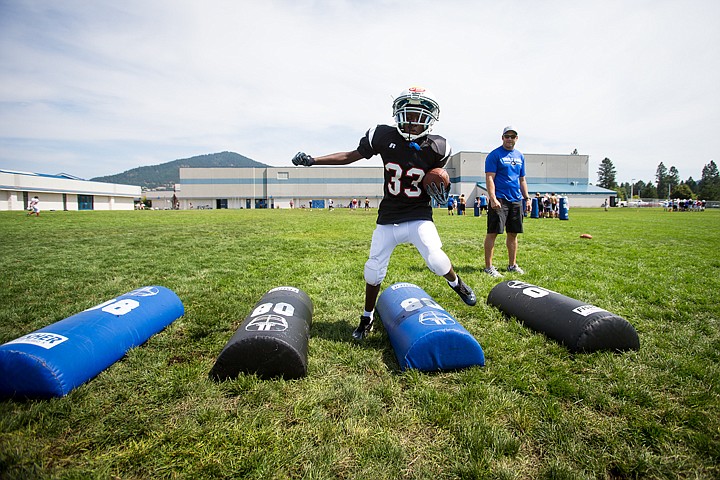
<point>94,88</point>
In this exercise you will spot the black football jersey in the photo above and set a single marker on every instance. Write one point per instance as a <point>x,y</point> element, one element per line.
<point>404,198</point>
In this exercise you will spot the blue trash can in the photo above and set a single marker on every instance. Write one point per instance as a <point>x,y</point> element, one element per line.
<point>535,210</point>
<point>564,209</point>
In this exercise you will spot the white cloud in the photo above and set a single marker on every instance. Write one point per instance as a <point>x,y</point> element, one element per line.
<point>101,87</point>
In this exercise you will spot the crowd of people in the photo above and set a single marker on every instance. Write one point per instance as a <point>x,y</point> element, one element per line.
<point>548,205</point>
<point>684,205</point>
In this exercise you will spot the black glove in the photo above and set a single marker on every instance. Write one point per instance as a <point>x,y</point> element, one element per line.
<point>439,194</point>
<point>302,158</point>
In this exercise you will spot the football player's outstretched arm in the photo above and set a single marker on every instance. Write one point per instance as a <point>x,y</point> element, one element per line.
<point>340,158</point>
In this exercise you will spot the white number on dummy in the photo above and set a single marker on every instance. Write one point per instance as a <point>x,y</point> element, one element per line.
<point>121,307</point>
<point>281,308</point>
<point>412,304</point>
<point>535,292</point>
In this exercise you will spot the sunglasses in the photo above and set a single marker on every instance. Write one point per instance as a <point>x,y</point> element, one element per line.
<point>510,136</point>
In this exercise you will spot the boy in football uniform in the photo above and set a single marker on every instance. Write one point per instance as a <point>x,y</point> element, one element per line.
<point>408,152</point>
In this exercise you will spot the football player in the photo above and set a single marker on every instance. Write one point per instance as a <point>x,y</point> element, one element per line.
<point>408,152</point>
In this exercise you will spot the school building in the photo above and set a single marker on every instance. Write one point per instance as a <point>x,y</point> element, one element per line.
<point>63,192</point>
<point>313,187</point>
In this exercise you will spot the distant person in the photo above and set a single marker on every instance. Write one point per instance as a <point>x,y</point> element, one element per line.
<point>34,206</point>
<point>451,206</point>
<point>461,205</point>
<point>506,185</point>
<point>547,206</point>
<point>483,203</point>
<point>367,203</point>
<point>405,215</point>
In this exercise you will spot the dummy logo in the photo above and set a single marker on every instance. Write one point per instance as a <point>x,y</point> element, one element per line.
<point>144,292</point>
<point>433,318</point>
<point>45,340</point>
<point>267,323</point>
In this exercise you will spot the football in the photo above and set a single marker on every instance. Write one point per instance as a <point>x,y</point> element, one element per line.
<point>586,235</point>
<point>438,176</point>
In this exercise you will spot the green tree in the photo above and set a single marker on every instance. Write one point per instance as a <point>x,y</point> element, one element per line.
<point>661,178</point>
<point>692,184</point>
<point>682,191</point>
<point>709,185</point>
<point>606,174</point>
<point>623,191</point>
<point>647,190</point>
<point>621,194</point>
<point>673,180</point>
<point>635,190</point>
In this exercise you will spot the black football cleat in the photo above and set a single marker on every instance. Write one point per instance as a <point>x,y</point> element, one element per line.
<point>365,327</point>
<point>465,292</point>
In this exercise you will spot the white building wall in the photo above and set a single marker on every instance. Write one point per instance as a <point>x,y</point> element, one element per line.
<point>564,173</point>
<point>51,188</point>
<point>341,184</point>
<point>9,201</point>
<point>278,186</point>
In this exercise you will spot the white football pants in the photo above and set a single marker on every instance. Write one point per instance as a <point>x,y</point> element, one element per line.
<point>421,233</point>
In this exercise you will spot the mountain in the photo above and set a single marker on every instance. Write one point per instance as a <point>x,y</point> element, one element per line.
<point>166,175</point>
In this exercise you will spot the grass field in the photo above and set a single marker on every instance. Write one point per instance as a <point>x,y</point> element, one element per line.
<point>534,410</point>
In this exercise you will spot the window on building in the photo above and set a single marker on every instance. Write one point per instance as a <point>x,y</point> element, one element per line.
<point>85,202</point>
<point>283,175</point>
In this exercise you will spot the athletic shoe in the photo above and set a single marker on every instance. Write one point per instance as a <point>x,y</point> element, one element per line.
<point>465,292</point>
<point>492,271</point>
<point>516,269</point>
<point>365,327</point>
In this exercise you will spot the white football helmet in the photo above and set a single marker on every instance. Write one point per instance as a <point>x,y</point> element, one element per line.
<point>415,111</point>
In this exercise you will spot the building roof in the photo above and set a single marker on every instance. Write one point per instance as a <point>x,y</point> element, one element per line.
<point>47,175</point>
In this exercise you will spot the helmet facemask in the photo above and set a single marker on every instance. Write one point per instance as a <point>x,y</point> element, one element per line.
<point>415,113</point>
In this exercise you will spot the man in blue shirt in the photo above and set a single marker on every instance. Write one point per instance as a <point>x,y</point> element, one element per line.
<point>483,203</point>
<point>507,188</point>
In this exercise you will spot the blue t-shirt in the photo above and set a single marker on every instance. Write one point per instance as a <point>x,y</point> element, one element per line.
<point>508,166</point>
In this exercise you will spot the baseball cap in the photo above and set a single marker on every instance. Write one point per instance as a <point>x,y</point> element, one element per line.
<point>509,129</point>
